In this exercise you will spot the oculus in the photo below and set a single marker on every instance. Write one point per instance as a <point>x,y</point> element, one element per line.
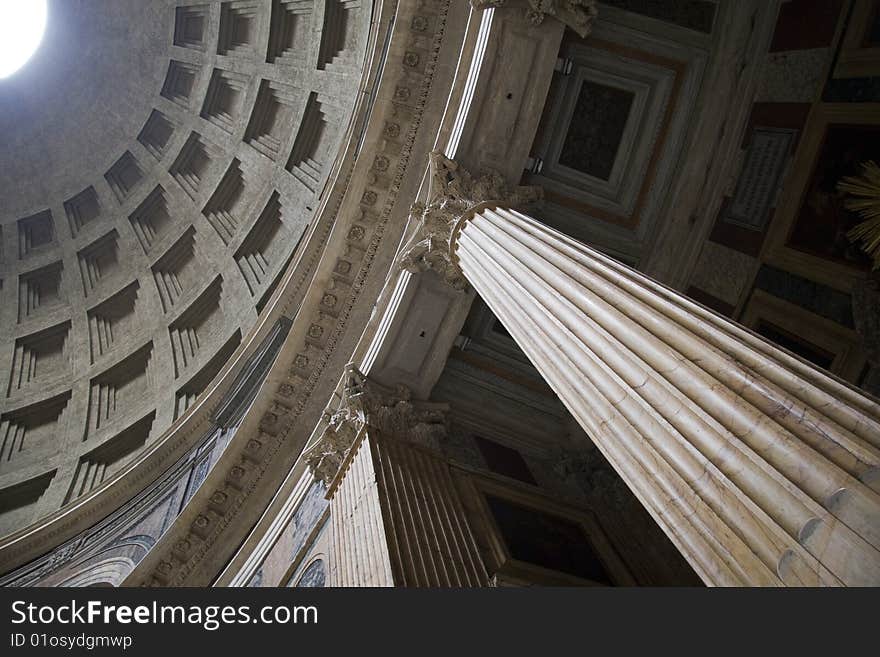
<point>22,24</point>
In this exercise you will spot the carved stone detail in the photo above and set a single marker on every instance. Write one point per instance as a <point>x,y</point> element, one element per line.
<point>453,191</point>
<point>577,14</point>
<point>353,262</point>
<point>54,561</point>
<point>365,403</point>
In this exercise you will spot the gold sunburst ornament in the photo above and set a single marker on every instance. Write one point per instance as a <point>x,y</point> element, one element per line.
<point>864,198</point>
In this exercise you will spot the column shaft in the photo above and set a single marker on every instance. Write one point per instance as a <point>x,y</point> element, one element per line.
<point>397,519</point>
<point>359,553</point>
<point>761,468</point>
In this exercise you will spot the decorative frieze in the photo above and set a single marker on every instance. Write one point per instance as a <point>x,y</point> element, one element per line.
<point>332,312</point>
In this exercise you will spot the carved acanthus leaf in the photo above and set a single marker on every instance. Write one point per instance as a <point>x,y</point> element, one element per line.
<point>365,403</point>
<point>453,191</point>
<point>577,14</point>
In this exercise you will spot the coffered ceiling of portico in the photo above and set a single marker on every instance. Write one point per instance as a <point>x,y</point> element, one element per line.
<point>615,123</point>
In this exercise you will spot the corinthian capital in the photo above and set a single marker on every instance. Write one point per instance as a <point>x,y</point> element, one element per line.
<point>453,191</point>
<point>365,404</point>
<point>577,14</point>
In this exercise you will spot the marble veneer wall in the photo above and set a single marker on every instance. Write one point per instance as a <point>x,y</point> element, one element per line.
<point>121,300</point>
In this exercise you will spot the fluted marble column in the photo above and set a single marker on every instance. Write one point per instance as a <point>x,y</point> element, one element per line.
<point>762,469</point>
<point>395,514</point>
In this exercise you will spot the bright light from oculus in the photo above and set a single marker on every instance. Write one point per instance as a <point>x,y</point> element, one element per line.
<point>22,23</point>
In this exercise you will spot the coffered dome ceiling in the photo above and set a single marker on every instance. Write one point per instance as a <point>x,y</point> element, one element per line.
<point>161,162</point>
<point>70,112</point>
